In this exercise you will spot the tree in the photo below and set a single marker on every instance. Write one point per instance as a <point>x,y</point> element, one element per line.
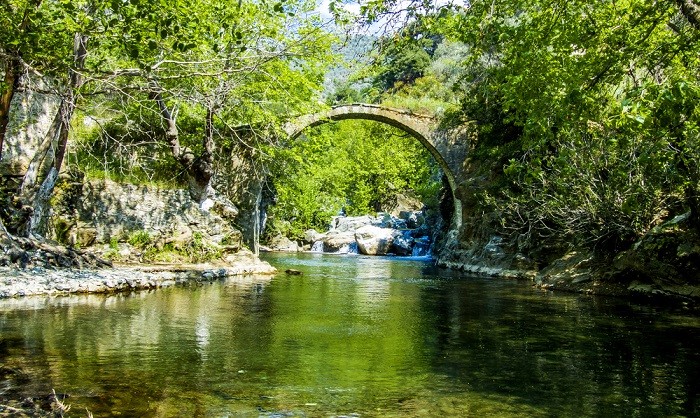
<point>208,68</point>
<point>168,55</point>
<point>48,43</point>
<point>587,109</point>
<point>691,11</point>
<point>405,55</point>
<point>35,43</point>
<point>202,57</point>
<point>358,166</point>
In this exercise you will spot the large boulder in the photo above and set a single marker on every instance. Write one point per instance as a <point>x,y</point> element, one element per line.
<point>339,242</point>
<point>311,236</point>
<point>386,220</point>
<point>373,240</point>
<point>350,223</point>
<point>282,243</point>
<point>401,203</point>
<point>413,219</point>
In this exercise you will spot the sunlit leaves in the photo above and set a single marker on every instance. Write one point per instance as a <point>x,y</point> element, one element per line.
<point>599,100</point>
<point>351,165</point>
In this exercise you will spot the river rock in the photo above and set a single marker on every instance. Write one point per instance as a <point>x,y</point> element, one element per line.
<point>402,244</point>
<point>339,242</point>
<point>311,236</point>
<point>180,236</point>
<point>493,248</point>
<point>386,220</point>
<point>282,243</point>
<point>373,240</point>
<point>401,203</point>
<point>413,220</point>
<point>351,223</point>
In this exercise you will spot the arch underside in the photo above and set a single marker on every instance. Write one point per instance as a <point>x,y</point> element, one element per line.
<point>417,129</point>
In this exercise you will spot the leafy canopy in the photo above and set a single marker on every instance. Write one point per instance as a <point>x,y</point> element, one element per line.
<point>357,166</point>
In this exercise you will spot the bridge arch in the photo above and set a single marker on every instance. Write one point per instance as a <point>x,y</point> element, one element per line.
<point>421,127</point>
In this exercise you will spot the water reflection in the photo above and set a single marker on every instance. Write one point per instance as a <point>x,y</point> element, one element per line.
<point>372,336</point>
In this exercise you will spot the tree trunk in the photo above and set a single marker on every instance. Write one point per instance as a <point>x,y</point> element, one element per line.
<point>9,249</point>
<point>200,170</point>
<point>4,235</point>
<point>40,178</point>
<point>693,199</point>
<point>13,73</point>
<point>691,10</point>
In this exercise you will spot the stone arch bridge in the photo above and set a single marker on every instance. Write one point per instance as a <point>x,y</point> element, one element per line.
<point>448,147</point>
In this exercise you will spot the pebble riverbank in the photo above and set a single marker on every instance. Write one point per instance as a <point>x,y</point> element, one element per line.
<point>41,281</point>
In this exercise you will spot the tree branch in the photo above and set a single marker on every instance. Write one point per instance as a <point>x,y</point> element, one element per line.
<point>691,11</point>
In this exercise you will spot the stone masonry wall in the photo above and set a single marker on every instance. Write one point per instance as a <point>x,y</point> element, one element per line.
<point>94,212</point>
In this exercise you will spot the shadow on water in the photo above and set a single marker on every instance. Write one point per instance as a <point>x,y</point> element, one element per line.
<point>374,336</point>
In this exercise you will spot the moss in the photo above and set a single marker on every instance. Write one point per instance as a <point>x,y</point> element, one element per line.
<point>61,229</point>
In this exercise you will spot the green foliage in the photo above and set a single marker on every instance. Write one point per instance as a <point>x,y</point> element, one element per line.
<point>122,149</point>
<point>402,65</point>
<point>358,166</point>
<point>251,62</point>
<point>592,110</point>
<point>587,113</point>
<point>41,32</point>
<point>140,239</point>
<point>196,249</point>
<point>200,251</point>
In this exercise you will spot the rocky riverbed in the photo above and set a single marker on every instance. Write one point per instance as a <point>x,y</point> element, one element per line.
<point>42,281</point>
<point>405,234</point>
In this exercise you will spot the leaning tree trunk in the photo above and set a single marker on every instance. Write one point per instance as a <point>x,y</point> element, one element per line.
<point>199,169</point>
<point>40,179</point>
<point>13,72</point>
<point>202,170</point>
<point>4,235</point>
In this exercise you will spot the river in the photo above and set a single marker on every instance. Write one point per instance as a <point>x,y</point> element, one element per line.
<point>353,336</point>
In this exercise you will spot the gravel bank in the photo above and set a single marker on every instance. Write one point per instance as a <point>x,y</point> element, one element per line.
<point>41,281</point>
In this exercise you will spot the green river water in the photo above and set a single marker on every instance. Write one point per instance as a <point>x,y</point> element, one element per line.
<point>352,336</point>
